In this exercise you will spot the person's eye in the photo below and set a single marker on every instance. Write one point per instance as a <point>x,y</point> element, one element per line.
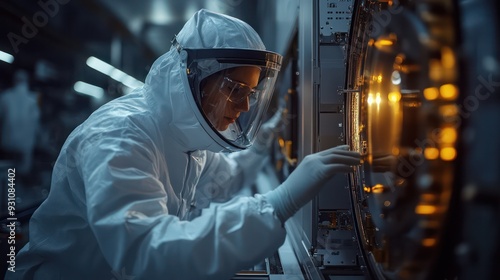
<point>239,92</point>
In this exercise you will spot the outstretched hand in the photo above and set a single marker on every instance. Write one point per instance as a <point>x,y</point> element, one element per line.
<point>309,177</point>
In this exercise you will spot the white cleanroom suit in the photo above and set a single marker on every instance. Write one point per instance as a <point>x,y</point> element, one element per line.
<point>124,185</point>
<point>130,182</point>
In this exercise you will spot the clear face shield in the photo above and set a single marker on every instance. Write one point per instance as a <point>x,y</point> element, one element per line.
<point>232,89</point>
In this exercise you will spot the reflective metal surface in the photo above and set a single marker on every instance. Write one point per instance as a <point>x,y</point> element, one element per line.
<point>402,113</point>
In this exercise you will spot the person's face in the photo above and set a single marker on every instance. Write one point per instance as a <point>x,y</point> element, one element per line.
<point>217,102</point>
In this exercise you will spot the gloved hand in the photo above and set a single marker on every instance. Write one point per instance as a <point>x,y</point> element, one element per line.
<point>308,178</point>
<point>267,132</point>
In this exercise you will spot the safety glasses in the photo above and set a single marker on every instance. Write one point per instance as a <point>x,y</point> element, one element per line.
<point>202,64</point>
<point>237,92</point>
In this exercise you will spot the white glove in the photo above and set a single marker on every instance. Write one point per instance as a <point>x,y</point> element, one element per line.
<point>308,178</point>
<point>267,131</point>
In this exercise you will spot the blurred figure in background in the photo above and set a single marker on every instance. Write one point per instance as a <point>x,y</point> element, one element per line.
<point>19,121</point>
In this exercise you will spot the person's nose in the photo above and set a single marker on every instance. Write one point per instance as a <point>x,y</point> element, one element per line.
<point>242,106</point>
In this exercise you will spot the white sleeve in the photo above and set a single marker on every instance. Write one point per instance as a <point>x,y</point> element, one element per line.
<point>225,175</point>
<point>127,212</point>
<point>250,162</point>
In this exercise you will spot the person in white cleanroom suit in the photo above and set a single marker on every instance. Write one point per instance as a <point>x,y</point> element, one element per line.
<point>142,189</point>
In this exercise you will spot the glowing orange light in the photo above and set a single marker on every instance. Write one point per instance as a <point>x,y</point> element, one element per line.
<point>378,188</point>
<point>394,96</point>
<point>281,141</point>
<point>429,242</point>
<point>431,153</point>
<point>449,91</point>
<point>448,135</point>
<point>425,209</point>
<point>447,57</point>
<point>448,153</point>
<point>383,43</point>
<point>431,93</point>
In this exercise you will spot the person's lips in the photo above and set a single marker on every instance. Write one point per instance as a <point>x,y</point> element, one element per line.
<point>230,119</point>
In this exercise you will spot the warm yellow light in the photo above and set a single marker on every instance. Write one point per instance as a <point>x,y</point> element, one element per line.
<point>431,153</point>
<point>379,79</point>
<point>378,99</point>
<point>361,127</point>
<point>448,135</point>
<point>383,43</point>
<point>449,91</point>
<point>429,242</point>
<point>394,96</point>
<point>447,57</point>
<point>378,188</point>
<point>371,42</point>
<point>281,141</point>
<point>431,93</point>
<point>367,189</point>
<point>395,151</point>
<point>370,98</point>
<point>448,153</point>
<point>425,209</point>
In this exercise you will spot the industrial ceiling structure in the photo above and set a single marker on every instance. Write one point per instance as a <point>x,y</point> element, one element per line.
<point>54,38</point>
